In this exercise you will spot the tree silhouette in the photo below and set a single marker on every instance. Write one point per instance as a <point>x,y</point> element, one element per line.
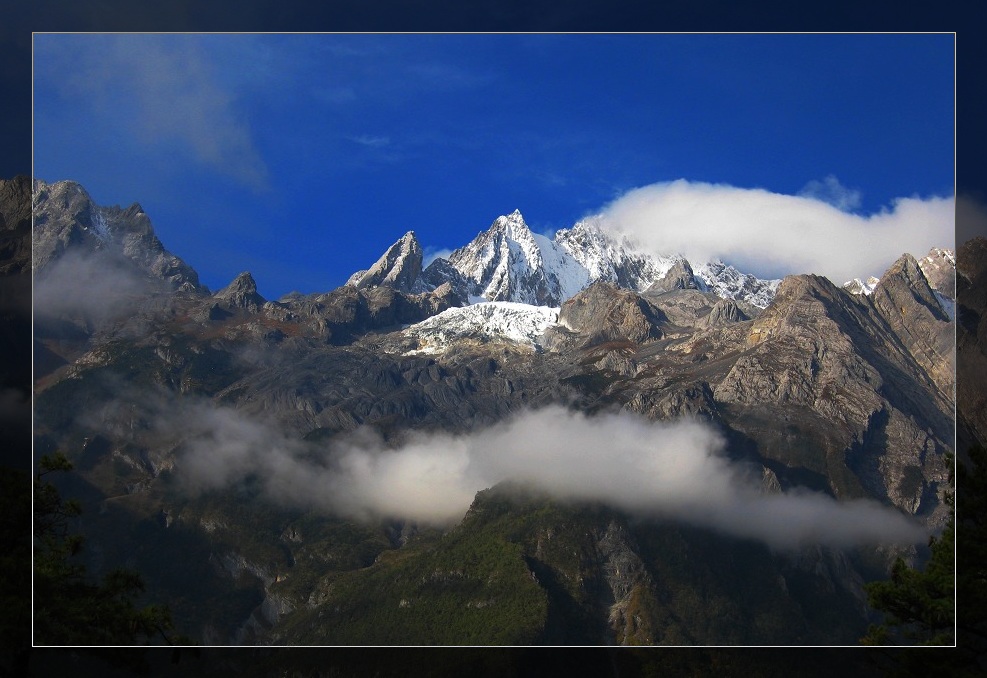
<point>69,609</point>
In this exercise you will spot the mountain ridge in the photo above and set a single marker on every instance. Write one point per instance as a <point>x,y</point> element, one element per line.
<point>508,262</point>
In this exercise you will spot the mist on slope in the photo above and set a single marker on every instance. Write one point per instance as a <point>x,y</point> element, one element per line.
<point>92,286</point>
<point>672,470</point>
<point>773,235</point>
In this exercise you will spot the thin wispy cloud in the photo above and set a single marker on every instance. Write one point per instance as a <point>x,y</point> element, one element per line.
<point>161,91</point>
<point>831,191</point>
<point>87,286</point>
<point>444,75</point>
<point>772,234</point>
<point>433,253</point>
<point>371,140</point>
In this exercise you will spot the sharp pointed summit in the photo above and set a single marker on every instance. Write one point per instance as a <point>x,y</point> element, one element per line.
<point>67,219</point>
<point>242,293</point>
<point>399,267</point>
<point>508,262</point>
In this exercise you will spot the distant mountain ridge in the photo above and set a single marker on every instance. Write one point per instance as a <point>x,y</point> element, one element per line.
<point>67,219</point>
<point>509,262</point>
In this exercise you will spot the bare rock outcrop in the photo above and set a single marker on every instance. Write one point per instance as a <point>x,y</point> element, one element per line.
<point>603,312</point>
<point>399,267</point>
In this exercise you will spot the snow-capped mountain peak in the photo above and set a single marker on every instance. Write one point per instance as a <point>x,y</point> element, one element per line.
<point>605,257</point>
<point>509,262</point>
<point>939,269</point>
<point>858,286</point>
<point>727,282</point>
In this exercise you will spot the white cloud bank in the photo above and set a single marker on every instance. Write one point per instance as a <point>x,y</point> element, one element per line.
<point>671,470</point>
<point>772,235</point>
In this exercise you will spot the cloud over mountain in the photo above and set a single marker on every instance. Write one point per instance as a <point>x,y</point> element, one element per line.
<point>671,470</point>
<point>773,234</point>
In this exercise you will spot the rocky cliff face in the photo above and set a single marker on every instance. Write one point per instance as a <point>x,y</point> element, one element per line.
<point>242,293</point>
<point>971,340</point>
<point>399,267</point>
<point>66,218</point>
<point>679,277</point>
<point>605,313</point>
<point>15,225</point>
<point>939,268</point>
<point>918,319</point>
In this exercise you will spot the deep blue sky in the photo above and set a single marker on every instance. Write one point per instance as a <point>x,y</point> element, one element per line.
<point>302,157</point>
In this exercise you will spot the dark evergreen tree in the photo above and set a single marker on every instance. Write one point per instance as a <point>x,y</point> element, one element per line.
<point>69,609</point>
<point>921,605</point>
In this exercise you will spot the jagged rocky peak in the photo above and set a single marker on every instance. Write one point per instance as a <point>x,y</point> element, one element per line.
<point>724,312</point>
<point>727,282</point>
<point>487,260</point>
<point>607,257</point>
<point>905,280</point>
<point>508,262</point>
<point>858,286</point>
<point>399,267</point>
<point>921,318</point>
<point>512,223</point>
<point>679,277</point>
<point>66,219</point>
<point>242,293</point>
<point>801,302</point>
<point>939,267</point>
<point>604,312</point>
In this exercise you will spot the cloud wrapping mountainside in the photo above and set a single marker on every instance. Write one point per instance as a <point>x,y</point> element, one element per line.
<point>773,235</point>
<point>674,470</point>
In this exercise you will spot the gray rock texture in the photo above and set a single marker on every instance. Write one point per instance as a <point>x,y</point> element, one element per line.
<point>603,313</point>
<point>399,267</point>
<point>65,217</point>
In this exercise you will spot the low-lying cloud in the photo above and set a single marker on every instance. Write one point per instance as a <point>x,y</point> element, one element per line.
<point>772,235</point>
<point>667,470</point>
<point>90,286</point>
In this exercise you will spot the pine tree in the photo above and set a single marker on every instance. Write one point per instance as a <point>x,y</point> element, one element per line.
<point>69,609</point>
<point>920,604</point>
